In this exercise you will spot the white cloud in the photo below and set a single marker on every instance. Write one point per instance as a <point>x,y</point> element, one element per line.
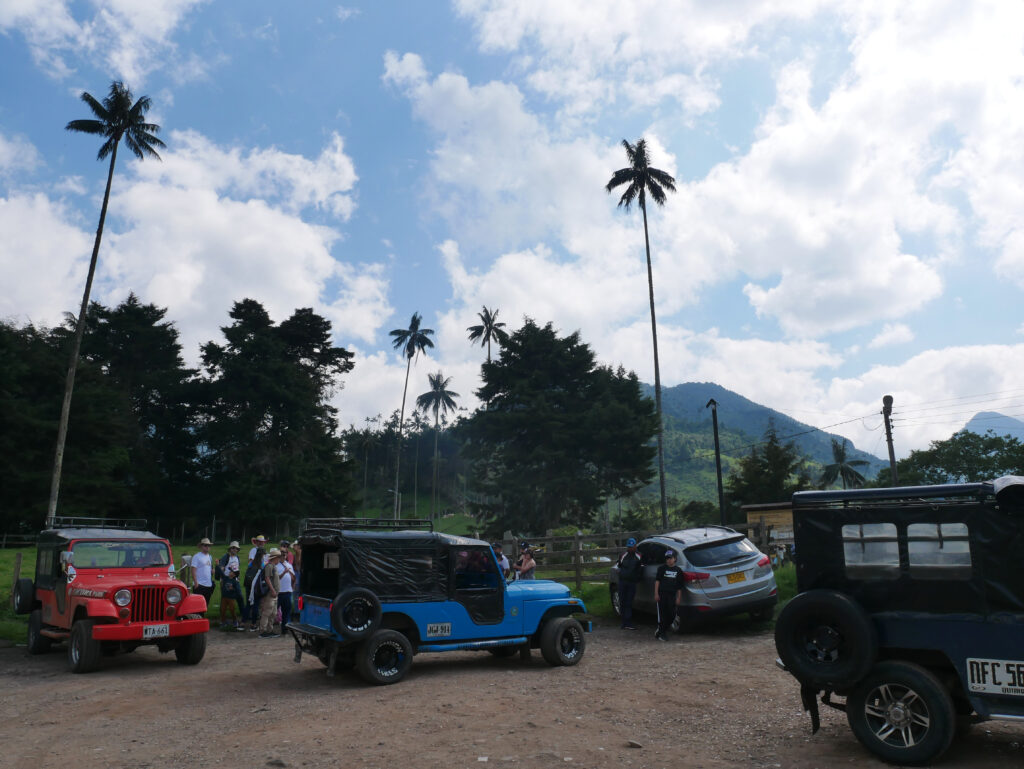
<point>129,38</point>
<point>892,333</point>
<point>17,154</point>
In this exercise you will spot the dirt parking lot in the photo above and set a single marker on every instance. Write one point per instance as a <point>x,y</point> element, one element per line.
<point>706,701</point>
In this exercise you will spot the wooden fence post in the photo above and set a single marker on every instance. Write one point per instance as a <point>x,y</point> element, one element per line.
<point>578,546</point>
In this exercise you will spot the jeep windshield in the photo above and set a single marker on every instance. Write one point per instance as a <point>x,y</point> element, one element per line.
<point>118,554</point>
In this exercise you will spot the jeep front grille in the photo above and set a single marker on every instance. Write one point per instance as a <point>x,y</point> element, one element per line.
<point>148,604</point>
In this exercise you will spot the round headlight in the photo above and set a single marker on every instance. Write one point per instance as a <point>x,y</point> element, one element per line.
<point>123,597</point>
<point>174,595</point>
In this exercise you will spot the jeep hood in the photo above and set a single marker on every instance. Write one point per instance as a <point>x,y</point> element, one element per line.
<point>535,589</point>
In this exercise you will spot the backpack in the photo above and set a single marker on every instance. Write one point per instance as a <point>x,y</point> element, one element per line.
<point>262,588</point>
<point>218,568</point>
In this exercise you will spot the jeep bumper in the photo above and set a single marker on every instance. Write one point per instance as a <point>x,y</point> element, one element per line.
<point>136,631</point>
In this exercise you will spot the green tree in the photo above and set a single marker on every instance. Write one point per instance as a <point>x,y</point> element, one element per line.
<point>640,179</point>
<point>842,468</point>
<point>488,329</point>
<point>561,434</point>
<point>771,472</point>
<point>440,400</point>
<point>964,457</point>
<point>268,430</point>
<point>116,118</point>
<point>411,341</point>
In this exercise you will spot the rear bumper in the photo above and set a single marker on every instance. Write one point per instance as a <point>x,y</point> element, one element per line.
<point>134,632</point>
<point>708,612</point>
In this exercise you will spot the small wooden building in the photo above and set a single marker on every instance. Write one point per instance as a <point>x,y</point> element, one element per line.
<point>777,515</point>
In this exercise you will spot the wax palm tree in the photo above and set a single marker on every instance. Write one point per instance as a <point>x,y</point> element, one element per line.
<point>641,178</point>
<point>488,329</point>
<point>116,118</point>
<point>411,341</point>
<point>842,468</point>
<point>438,399</point>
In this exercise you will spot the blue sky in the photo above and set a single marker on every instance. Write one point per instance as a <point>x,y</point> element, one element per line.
<point>849,220</point>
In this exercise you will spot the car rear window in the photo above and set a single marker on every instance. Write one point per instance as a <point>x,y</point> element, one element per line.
<point>720,552</point>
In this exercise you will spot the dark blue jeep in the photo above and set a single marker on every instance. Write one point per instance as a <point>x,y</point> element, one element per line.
<point>372,598</point>
<point>911,606</point>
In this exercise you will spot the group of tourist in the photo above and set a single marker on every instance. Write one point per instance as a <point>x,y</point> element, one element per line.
<point>261,597</point>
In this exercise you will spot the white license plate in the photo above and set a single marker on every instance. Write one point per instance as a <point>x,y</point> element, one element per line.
<point>156,631</point>
<point>996,676</point>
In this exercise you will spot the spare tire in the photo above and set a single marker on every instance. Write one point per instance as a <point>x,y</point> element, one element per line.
<point>355,613</point>
<point>826,639</point>
<point>24,596</point>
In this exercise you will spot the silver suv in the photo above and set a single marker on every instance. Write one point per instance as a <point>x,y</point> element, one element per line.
<point>724,574</point>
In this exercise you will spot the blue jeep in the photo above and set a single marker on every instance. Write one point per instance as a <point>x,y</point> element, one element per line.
<point>911,606</point>
<point>372,595</point>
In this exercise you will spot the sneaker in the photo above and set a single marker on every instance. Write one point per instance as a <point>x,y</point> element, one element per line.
<point>239,628</point>
<point>629,627</point>
<point>268,635</point>
<point>252,630</point>
<point>661,637</point>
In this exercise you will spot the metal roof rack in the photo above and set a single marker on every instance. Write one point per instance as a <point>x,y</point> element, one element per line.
<point>368,523</point>
<point>944,493</point>
<point>78,522</point>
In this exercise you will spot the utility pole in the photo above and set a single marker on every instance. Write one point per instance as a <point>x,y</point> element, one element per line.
<point>713,405</point>
<point>886,413</point>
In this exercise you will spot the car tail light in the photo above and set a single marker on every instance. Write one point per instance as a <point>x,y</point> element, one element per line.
<point>764,566</point>
<point>300,603</point>
<point>699,578</point>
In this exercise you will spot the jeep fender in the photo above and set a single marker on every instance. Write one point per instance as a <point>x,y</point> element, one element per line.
<point>100,608</point>
<point>192,604</point>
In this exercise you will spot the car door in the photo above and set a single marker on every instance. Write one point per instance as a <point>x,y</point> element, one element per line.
<point>652,555</point>
<point>478,585</point>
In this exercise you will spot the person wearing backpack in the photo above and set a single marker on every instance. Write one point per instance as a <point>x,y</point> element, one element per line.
<point>265,588</point>
<point>630,572</point>
<point>227,571</point>
<point>257,560</point>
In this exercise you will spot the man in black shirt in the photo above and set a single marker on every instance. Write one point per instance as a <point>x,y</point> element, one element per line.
<point>668,587</point>
<point>630,572</point>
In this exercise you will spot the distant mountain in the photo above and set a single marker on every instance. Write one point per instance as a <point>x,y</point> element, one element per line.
<point>999,424</point>
<point>690,445</point>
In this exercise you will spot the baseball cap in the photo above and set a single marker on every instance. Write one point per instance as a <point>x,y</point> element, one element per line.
<point>670,553</point>
<point>631,542</point>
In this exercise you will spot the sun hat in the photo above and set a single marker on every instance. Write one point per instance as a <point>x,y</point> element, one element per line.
<point>670,553</point>
<point>234,544</point>
<point>205,541</point>
<point>273,553</point>
<point>285,543</point>
<point>259,538</point>
<point>631,542</point>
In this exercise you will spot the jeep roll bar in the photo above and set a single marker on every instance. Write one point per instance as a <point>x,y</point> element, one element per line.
<point>367,523</point>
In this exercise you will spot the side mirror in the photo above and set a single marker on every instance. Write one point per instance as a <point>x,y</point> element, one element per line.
<point>67,557</point>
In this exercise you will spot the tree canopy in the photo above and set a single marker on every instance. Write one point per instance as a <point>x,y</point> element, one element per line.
<point>559,436</point>
<point>771,472</point>
<point>965,457</point>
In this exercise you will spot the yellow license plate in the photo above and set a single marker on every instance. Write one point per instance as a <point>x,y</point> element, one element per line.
<point>737,577</point>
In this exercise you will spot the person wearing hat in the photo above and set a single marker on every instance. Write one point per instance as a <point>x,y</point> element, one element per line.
<point>230,589</point>
<point>668,587</point>
<point>259,542</point>
<point>502,559</point>
<point>526,567</point>
<point>202,571</point>
<point>630,573</point>
<point>268,602</point>
<point>257,560</point>
<point>286,574</point>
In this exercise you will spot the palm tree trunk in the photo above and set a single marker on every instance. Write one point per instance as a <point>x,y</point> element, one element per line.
<point>416,478</point>
<point>657,374</point>
<point>401,419</point>
<point>433,495</point>
<point>69,386</point>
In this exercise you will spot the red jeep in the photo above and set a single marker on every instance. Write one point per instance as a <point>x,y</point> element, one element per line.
<point>108,587</point>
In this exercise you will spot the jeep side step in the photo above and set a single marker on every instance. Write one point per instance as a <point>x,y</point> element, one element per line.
<point>473,645</point>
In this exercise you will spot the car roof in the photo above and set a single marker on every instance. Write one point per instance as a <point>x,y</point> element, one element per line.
<point>699,535</point>
<point>322,533</point>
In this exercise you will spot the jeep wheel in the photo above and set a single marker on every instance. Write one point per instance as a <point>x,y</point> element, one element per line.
<point>384,658</point>
<point>83,650</point>
<point>24,596</point>
<point>562,642</point>
<point>191,649</point>
<point>356,613</point>
<point>902,713</point>
<point>37,642</point>
<point>826,639</point>
<point>616,602</point>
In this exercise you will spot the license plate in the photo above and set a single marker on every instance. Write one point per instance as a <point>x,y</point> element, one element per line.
<point>738,576</point>
<point>996,676</point>
<point>156,631</point>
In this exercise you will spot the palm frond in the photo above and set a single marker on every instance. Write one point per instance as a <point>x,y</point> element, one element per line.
<point>97,109</point>
<point>620,177</point>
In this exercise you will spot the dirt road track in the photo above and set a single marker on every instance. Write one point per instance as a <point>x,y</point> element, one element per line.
<point>704,701</point>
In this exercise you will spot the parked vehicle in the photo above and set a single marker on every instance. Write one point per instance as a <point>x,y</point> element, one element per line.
<point>107,586</point>
<point>911,607</point>
<point>374,595</point>
<point>725,574</point>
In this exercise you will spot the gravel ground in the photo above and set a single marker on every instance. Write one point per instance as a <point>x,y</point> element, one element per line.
<point>706,700</point>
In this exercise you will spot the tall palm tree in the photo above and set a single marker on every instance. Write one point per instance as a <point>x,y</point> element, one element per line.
<point>641,178</point>
<point>438,399</point>
<point>411,341</point>
<point>488,329</point>
<point>116,118</point>
<point>842,468</point>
